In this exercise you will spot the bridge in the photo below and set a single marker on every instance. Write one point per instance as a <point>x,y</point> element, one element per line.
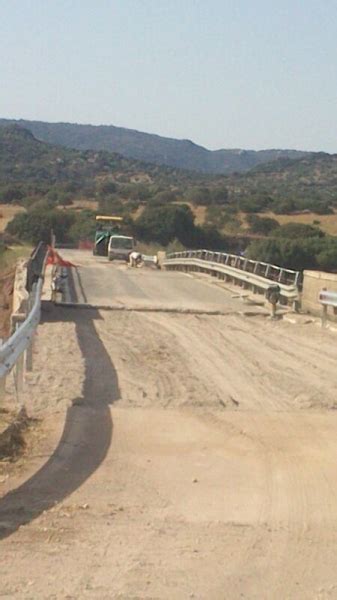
<point>185,445</point>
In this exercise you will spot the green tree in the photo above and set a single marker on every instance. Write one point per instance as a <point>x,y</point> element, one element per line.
<point>298,230</point>
<point>107,187</point>
<point>283,207</point>
<point>199,196</point>
<point>36,225</point>
<point>285,253</point>
<point>262,225</point>
<point>164,197</point>
<point>163,224</point>
<point>219,195</point>
<point>11,193</point>
<point>84,227</point>
<point>254,203</point>
<point>111,205</point>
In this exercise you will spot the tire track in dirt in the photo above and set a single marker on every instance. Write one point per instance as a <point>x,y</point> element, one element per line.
<point>218,498</point>
<point>153,367</point>
<point>283,538</point>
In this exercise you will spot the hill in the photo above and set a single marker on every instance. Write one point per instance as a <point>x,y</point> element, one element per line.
<point>285,186</point>
<point>24,159</point>
<point>182,154</point>
<point>29,167</point>
<point>60,189</point>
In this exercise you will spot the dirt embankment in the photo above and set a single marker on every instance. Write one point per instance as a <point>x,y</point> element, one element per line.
<point>6,299</point>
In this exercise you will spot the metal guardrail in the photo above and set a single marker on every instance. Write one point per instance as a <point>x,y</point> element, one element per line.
<point>36,264</point>
<point>257,274</point>
<point>328,298</point>
<point>22,337</point>
<point>149,258</point>
<point>12,352</point>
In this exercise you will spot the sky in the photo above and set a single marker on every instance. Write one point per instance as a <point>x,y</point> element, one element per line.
<point>223,73</point>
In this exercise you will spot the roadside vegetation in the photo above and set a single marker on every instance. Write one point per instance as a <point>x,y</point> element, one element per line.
<point>48,186</point>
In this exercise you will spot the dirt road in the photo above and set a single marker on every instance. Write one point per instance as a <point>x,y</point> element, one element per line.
<point>179,456</point>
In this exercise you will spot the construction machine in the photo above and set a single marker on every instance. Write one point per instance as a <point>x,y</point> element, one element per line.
<point>106,226</point>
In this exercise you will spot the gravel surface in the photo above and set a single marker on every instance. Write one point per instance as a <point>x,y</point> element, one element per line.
<point>179,456</point>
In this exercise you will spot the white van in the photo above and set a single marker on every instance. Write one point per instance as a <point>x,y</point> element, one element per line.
<point>120,247</point>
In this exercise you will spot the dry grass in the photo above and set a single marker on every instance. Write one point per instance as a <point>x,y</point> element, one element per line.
<point>82,204</point>
<point>136,213</point>
<point>11,255</point>
<point>150,249</point>
<point>7,213</point>
<point>328,223</point>
<point>199,214</point>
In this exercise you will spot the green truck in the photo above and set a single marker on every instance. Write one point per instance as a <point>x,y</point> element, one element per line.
<point>105,228</point>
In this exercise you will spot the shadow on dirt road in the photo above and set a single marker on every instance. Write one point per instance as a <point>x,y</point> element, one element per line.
<point>86,436</point>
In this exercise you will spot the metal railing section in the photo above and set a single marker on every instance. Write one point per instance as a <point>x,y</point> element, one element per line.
<point>262,269</point>
<point>256,273</point>
<point>36,264</point>
<point>150,259</point>
<point>327,298</point>
<point>12,351</point>
<point>22,337</point>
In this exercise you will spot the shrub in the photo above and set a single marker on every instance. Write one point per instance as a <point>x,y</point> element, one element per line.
<point>163,224</point>
<point>36,225</point>
<point>305,253</point>
<point>298,230</point>
<point>263,225</point>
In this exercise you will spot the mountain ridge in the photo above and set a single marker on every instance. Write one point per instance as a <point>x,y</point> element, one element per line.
<point>152,148</point>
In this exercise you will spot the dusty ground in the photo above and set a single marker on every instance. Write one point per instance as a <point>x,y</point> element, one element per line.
<point>180,456</point>
<point>7,213</point>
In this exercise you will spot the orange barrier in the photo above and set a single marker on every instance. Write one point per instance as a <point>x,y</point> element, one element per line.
<point>54,258</point>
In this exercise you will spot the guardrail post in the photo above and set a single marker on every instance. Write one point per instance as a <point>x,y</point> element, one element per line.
<point>19,372</point>
<point>2,388</point>
<point>324,315</point>
<point>29,351</point>
<point>19,365</point>
<point>29,356</point>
